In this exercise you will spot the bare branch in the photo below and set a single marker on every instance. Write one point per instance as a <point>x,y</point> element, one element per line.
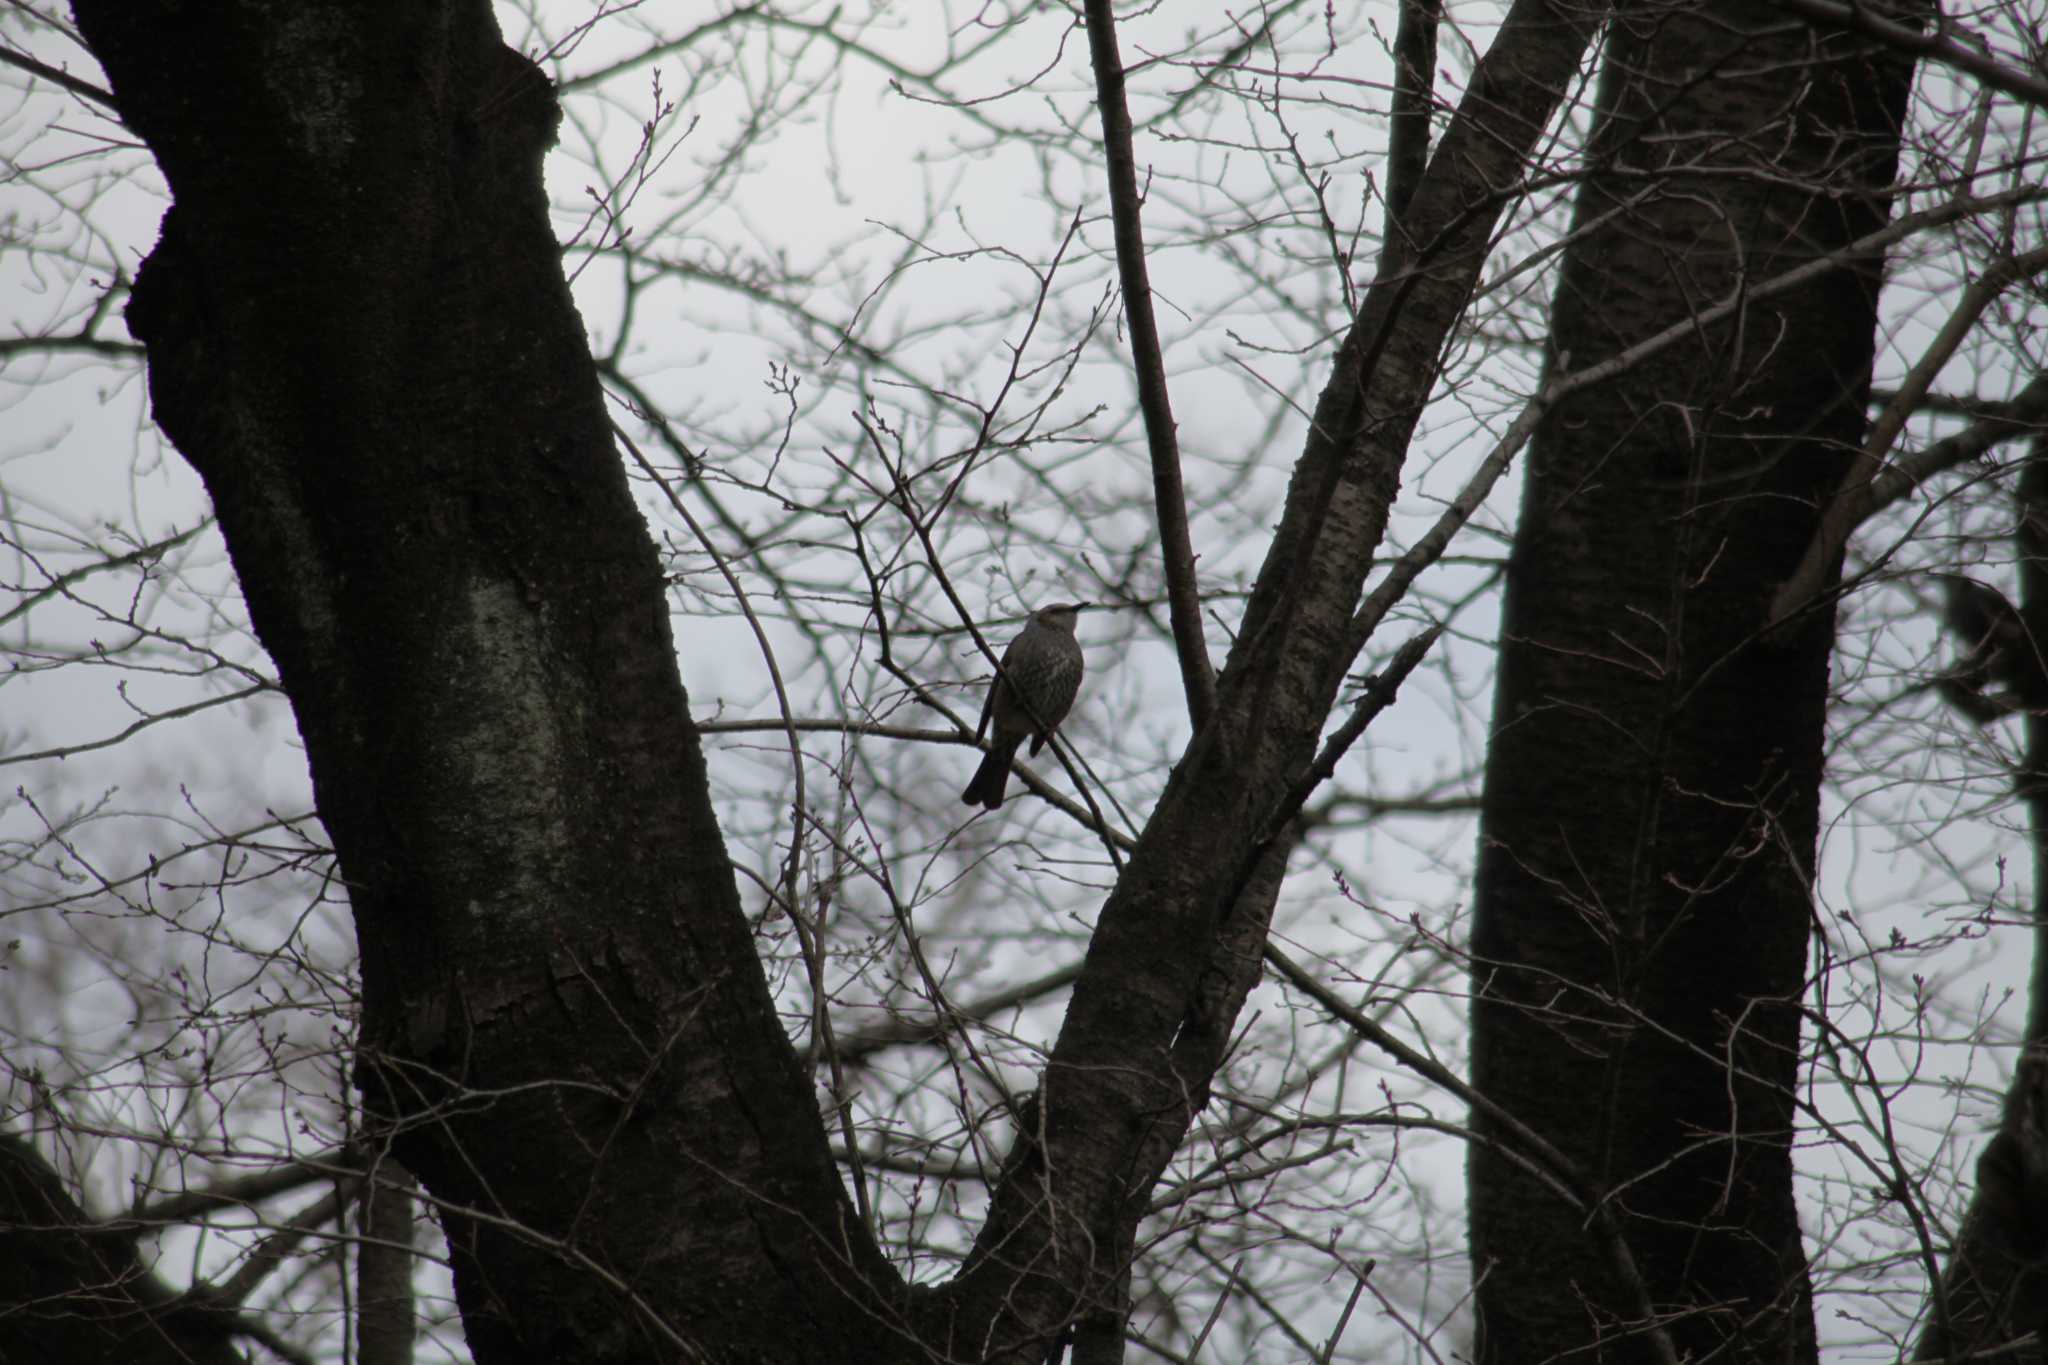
<point>1176,550</point>
<point>84,89</point>
<point>153,718</point>
<point>1414,88</point>
<point>1939,46</point>
<point>1867,490</point>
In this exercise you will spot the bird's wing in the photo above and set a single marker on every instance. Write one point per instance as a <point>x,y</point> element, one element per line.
<point>988,707</point>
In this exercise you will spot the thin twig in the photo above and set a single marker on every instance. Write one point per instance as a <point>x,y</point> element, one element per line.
<point>153,718</point>
<point>1532,1143</point>
<point>1230,1282</point>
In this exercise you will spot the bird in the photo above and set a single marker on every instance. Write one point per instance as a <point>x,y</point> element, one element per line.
<point>1998,652</point>
<point>1033,691</point>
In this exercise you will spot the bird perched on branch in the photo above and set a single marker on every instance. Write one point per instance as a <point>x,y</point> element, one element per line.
<point>2001,670</point>
<point>1033,690</point>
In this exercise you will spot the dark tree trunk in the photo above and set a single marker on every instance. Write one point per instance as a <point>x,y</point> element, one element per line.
<point>80,1294</point>
<point>360,335</point>
<point>2032,543</point>
<point>1993,1300</point>
<point>1994,1287</point>
<point>1651,794</point>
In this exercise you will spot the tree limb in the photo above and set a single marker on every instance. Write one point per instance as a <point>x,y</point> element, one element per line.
<point>1863,494</point>
<point>1937,46</point>
<point>1176,550</point>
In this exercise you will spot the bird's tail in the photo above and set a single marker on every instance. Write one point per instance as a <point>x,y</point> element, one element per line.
<point>991,779</point>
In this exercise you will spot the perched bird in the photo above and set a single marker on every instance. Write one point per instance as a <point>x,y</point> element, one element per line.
<point>1033,690</point>
<point>1998,653</point>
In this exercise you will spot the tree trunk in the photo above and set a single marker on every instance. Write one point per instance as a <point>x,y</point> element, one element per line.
<point>1994,1288</point>
<point>80,1294</point>
<point>385,1313</point>
<point>1993,1299</point>
<point>1651,792</point>
<point>2031,540</point>
<point>359,333</point>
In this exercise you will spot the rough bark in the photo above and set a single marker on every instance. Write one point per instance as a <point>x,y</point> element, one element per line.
<point>1994,1286</point>
<point>75,1293</point>
<point>1651,794</point>
<point>385,1312</point>
<point>1994,1298</point>
<point>360,335</point>
<point>2032,543</point>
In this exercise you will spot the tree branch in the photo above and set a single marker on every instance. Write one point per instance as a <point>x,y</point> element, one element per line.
<point>858,1047</point>
<point>1863,494</point>
<point>57,76</point>
<point>153,718</point>
<point>1858,17</point>
<point>1151,1011</point>
<point>1176,549</point>
<point>72,1291</point>
<point>1408,121</point>
<point>240,1191</point>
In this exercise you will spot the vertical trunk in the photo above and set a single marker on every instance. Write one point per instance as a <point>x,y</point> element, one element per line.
<point>384,1266</point>
<point>360,335</point>
<point>1993,1300</point>
<point>2032,540</point>
<point>1651,797</point>
<point>1994,1289</point>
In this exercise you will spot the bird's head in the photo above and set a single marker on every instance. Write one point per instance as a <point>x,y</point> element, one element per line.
<point>1060,615</point>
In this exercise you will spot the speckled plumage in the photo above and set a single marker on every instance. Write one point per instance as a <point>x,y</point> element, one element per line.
<point>1041,672</point>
